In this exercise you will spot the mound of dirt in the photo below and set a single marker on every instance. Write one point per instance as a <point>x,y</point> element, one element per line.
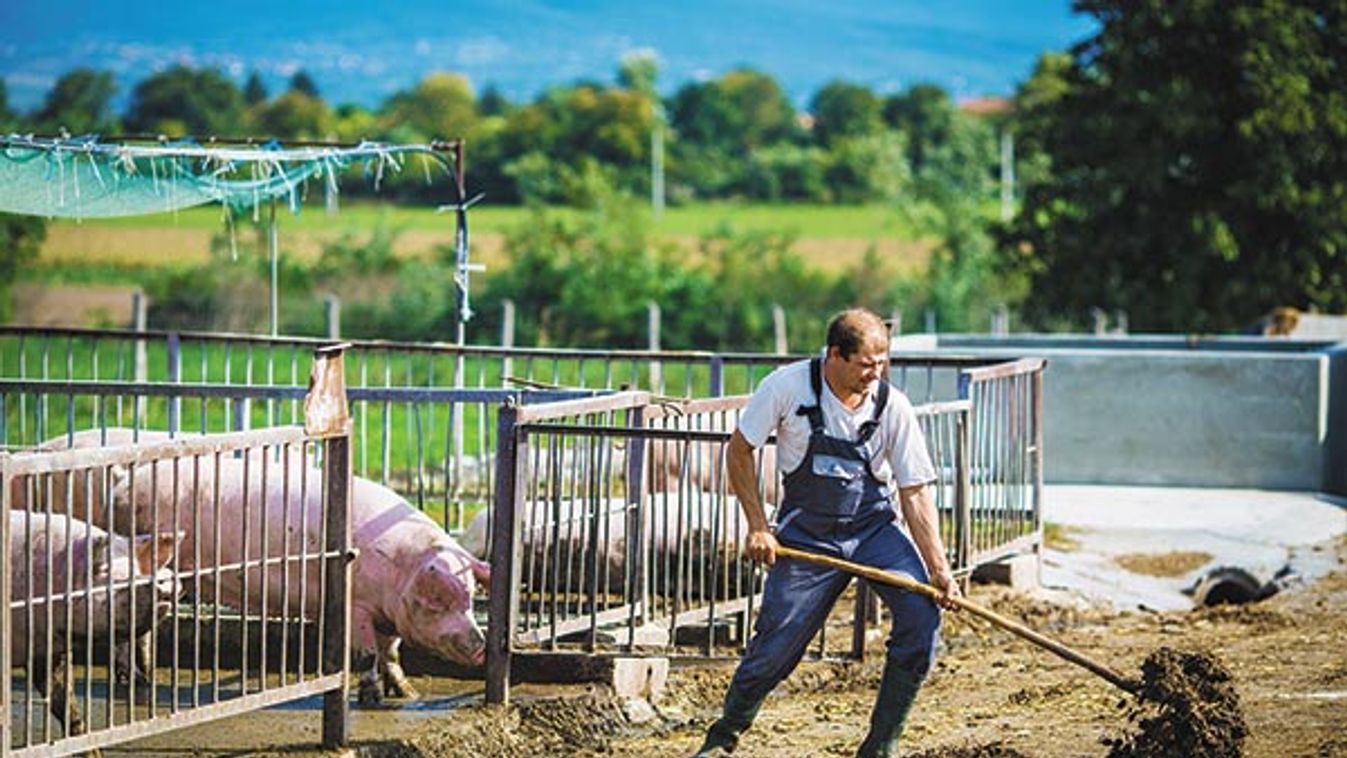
<point>542,727</point>
<point>1177,563</point>
<point>1187,707</point>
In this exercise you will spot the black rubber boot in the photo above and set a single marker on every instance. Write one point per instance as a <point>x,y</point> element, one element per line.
<point>897,690</point>
<point>736,716</point>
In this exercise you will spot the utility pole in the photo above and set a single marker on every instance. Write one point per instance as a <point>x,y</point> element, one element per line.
<point>657,159</point>
<point>1007,174</point>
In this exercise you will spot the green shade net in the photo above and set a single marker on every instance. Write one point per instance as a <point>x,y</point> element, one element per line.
<point>85,178</point>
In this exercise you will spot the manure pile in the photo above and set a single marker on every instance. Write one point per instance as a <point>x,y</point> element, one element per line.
<point>1186,707</point>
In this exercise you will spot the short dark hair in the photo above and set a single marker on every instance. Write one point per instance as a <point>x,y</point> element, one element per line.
<point>854,329</point>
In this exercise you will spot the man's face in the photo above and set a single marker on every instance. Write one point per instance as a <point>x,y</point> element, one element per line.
<point>865,367</point>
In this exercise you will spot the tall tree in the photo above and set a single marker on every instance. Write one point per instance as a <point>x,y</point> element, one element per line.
<point>304,84</point>
<point>182,100</point>
<point>254,90</point>
<point>80,102</point>
<point>925,113</point>
<point>1199,165</point>
<point>441,106</point>
<point>842,109</point>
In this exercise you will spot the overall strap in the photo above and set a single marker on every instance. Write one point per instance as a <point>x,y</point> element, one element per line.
<point>815,411</point>
<point>881,400</point>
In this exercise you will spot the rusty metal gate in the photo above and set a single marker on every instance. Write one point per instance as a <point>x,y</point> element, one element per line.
<point>153,583</point>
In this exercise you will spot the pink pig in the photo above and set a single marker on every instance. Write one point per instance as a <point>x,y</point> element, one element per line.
<point>410,579</point>
<point>41,549</point>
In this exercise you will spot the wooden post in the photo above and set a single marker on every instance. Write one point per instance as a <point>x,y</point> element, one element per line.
<point>5,631</point>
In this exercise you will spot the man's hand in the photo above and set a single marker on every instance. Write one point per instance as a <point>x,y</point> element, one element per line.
<point>761,546</point>
<point>944,581</point>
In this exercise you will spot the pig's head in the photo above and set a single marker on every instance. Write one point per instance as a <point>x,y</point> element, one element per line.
<point>437,606</point>
<point>141,562</point>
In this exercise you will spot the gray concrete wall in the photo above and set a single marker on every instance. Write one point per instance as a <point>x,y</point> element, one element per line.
<point>1200,417</point>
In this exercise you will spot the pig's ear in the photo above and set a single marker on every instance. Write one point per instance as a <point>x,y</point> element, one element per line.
<point>154,551</point>
<point>440,590</point>
<point>99,551</point>
<point>481,571</point>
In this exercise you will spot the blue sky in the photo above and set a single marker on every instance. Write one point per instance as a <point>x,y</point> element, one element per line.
<point>364,51</point>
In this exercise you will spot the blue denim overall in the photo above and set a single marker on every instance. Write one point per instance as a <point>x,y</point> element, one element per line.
<point>835,505</point>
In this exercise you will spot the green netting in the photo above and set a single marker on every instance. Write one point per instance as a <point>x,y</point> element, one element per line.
<point>85,178</point>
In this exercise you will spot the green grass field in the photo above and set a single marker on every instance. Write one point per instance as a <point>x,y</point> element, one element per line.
<point>829,237</point>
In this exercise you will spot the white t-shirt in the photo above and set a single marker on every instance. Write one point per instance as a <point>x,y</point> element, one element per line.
<point>900,457</point>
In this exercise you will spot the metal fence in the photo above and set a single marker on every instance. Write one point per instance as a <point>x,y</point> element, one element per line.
<point>613,527</point>
<point>247,360</point>
<point>403,437</point>
<point>237,596</point>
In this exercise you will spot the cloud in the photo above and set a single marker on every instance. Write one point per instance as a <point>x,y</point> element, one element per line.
<point>481,51</point>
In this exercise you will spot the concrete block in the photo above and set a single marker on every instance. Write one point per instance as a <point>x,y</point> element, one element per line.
<point>1019,572</point>
<point>639,677</point>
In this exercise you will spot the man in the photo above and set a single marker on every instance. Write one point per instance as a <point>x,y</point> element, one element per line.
<point>844,440</point>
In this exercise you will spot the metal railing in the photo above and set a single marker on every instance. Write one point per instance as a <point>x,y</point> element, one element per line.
<point>613,528</point>
<point>403,437</point>
<point>234,619</point>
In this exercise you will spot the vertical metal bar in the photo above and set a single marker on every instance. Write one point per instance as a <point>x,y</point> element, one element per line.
<point>963,521</point>
<point>505,550</point>
<point>174,377</point>
<point>637,588</point>
<point>337,590</point>
<point>717,375</point>
<point>6,630</point>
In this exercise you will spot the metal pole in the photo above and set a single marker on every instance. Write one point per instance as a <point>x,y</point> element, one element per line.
<point>273,244</point>
<point>507,340</point>
<point>779,329</point>
<point>652,333</point>
<point>5,630</point>
<point>1007,175</point>
<point>657,162</point>
<point>505,563</point>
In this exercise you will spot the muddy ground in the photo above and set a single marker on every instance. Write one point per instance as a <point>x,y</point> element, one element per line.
<point>991,694</point>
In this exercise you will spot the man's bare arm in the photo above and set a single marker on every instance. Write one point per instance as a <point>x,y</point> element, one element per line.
<point>743,470</point>
<point>924,524</point>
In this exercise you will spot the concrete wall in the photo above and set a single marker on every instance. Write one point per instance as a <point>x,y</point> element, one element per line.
<point>1219,415</point>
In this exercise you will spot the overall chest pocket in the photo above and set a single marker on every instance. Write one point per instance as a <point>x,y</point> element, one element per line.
<point>835,467</point>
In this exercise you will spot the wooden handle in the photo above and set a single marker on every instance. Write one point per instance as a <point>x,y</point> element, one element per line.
<point>911,585</point>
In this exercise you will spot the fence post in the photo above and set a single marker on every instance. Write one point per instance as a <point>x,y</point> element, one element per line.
<point>930,321</point>
<point>963,528</point>
<point>174,356</point>
<point>507,341</point>
<point>332,314</point>
<point>139,322</point>
<point>1037,384</point>
<point>653,329</point>
<point>505,554</point>
<point>326,415</point>
<point>717,375</point>
<point>779,329</point>
<point>5,631</point>
<point>636,549</point>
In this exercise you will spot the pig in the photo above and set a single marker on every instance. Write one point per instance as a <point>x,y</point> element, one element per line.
<point>687,536</point>
<point>410,579</point>
<point>701,464</point>
<point>41,548</point>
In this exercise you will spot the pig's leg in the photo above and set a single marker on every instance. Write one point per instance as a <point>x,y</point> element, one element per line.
<point>366,657</point>
<point>133,661</point>
<point>394,678</point>
<point>62,693</point>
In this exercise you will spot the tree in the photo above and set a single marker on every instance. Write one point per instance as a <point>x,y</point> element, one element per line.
<point>304,84</point>
<point>7,117</point>
<point>926,114</point>
<point>843,110</point>
<point>80,102</point>
<point>296,115</point>
<point>441,106</point>
<point>183,100</point>
<point>20,240</point>
<point>1199,166</point>
<point>493,102</point>
<point>254,91</point>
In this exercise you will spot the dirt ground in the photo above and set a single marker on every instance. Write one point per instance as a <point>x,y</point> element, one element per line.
<point>991,694</point>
